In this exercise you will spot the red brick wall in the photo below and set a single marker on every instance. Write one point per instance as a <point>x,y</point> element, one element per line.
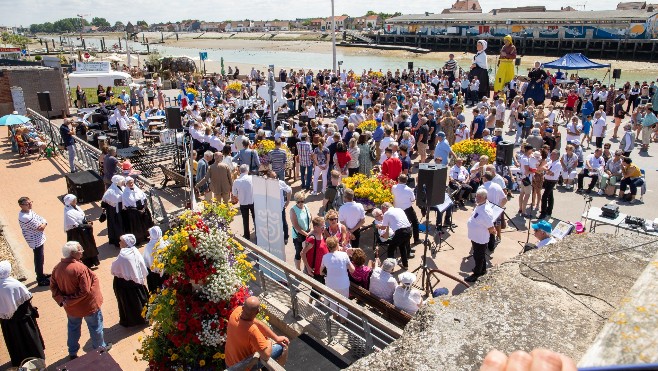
<point>33,81</point>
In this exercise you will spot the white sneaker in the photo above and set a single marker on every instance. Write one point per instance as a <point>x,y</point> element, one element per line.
<point>600,192</point>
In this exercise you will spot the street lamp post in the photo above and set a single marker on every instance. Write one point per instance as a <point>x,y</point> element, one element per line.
<point>333,35</point>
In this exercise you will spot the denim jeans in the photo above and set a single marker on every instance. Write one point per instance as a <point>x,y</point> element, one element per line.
<point>95,326</point>
<point>306,173</point>
<point>71,150</point>
<point>281,174</point>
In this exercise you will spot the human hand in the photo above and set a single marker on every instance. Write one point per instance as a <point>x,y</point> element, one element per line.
<point>538,359</point>
<point>282,340</point>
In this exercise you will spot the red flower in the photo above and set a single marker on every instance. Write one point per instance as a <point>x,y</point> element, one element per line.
<point>181,326</point>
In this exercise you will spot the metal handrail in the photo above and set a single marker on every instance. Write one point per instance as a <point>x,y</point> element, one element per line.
<point>293,278</point>
<point>88,155</point>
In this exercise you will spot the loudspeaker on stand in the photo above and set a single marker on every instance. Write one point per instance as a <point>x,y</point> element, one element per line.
<point>44,101</point>
<point>431,188</point>
<point>174,119</point>
<point>505,153</point>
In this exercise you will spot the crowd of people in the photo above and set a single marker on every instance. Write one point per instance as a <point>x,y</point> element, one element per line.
<point>419,115</point>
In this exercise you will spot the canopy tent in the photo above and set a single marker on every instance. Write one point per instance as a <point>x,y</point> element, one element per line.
<point>574,61</point>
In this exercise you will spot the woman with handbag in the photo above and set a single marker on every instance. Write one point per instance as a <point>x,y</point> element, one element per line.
<point>314,249</point>
<point>79,229</point>
<point>111,204</point>
<point>18,319</point>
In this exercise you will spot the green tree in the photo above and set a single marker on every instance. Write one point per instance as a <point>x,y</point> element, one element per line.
<point>16,40</point>
<point>142,24</point>
<point>100,22</point>
<point>118,24</point>
<point>371,12</point>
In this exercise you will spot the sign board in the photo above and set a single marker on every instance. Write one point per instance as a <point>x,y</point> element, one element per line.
<point>203,56</point>
<point>92,66</point>
<point>269,225</point>
<point>10,50</point>
<point>18,99</point>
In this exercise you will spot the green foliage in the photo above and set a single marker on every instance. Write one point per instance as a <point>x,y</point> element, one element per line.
<point>62,25</point>
<point>16,40</point>
<point>119,24</point>
<point>100,22</point>
<point>37,58</point>
<point>142,24</point>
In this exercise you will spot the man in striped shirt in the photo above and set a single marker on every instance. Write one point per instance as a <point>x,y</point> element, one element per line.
<point>450,69</point>
<point>32,226</point>
<point>278,159</point>
<point>304,151</point>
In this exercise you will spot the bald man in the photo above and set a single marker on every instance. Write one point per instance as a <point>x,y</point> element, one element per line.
<point>247,335</point>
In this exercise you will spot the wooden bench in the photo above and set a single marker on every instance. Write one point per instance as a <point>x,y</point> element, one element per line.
<point>387,310</point>
<point>171,175</point>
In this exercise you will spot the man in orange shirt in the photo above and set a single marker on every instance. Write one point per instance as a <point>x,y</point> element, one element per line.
<point>247,335</point>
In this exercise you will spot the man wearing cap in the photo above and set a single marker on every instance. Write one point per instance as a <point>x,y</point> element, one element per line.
<point>382,281</point>
<point>442,152</point>
<point>480,227</point>
<point>549,139</point>
<point>542,232</point>
<point>397,220</point>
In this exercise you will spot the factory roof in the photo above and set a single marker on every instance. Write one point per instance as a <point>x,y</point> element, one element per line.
<point>564,16</point>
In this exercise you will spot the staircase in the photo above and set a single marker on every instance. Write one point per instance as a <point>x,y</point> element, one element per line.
<point>359,36</point>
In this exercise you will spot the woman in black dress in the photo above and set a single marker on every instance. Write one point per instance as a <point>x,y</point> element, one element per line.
<point>111,203</point>
<point>79,229</point>
<point>136,216</point>
<point>155,276</point>
<point>535,89</point>
<point>480,69</point>
<point>129,271</point>
<point>18,319</point>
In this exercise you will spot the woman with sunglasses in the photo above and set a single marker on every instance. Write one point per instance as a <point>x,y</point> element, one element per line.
<point>314,249</point>
<point>300,218</point>
<point>336,229</point>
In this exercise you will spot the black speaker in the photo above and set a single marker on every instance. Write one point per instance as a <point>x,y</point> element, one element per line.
<point>616,73</point>
<point>431,188</point>
<point>87,186</point>
<point>410,65</point>
<point>174,118</point>
<point>517,61</point>
<point>44,101</point>
<point>505,153</point>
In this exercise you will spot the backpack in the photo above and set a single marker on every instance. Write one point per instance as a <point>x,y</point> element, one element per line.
<point>338,199</point>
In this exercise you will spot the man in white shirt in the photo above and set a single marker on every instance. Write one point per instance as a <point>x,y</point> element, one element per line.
<point>396,219</point>
<point>123,125</point>
<point>237,142</point>
<point>353,216</point>
<point>243,190</point>
<point>382,281</point>
<point>403,198</point>
<point>542,231</point>
<point>340,120</point>
<point>550,180</point>
<point>574,129</point>
<point>480,227</point>
<point>357,117</point>
<point>598,129</point>
<point>593,165</point>
<point>496,196</point>
<point>459,180</point>
<point>32,226</point>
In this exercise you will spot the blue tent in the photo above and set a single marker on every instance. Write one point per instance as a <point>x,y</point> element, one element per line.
<point>574,61</point>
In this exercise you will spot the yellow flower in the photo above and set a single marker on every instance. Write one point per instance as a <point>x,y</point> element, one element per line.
<point>184,248</point>
<point>165,291</point>
<point>174,357</point>
<point>165,237</point>
<point>218,355</point>
<point>202,363</point>
<point>173,260</point>
<point>139,339</point>
<point>171,302</point>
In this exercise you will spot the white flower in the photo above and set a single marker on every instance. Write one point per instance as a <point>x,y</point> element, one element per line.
<point>208,336</point>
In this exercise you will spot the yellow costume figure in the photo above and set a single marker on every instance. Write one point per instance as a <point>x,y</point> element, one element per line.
<point>506,60</point>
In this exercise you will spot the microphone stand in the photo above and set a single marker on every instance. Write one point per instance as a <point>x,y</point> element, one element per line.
<point>426,285</point>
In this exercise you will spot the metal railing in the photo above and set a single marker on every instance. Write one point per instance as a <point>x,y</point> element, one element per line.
<point>87,158</point>
<point>361,330</point>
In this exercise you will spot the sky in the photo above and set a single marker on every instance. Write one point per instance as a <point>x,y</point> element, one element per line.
<point>26,12</point>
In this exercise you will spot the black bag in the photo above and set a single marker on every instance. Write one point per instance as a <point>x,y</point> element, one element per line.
<point>526,181</point>
<point>103,217</point>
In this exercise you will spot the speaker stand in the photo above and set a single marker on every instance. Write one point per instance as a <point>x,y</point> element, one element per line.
<point>51,142</point>
<point>425,278</point>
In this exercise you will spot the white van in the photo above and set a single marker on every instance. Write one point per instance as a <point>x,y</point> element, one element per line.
<point>93,79</point>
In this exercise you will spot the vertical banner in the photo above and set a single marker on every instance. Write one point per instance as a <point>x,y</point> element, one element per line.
<point>269,226</point>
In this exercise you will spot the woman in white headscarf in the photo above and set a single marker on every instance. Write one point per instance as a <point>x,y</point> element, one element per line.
<point>18,319</point>
<point>111,203</point>
<point>480,68</point>
<point>136,216</point>
<point>129,271</point>
<point>155,277</point>
<point>79,229</point>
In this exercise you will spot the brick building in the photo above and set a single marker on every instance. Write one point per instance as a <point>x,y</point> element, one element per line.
<point>33,79</point>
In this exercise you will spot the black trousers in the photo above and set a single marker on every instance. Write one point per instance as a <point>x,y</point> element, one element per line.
<point>547,200</point>
<point>631,183</point>
<point>585,173</point>
<point>479,255</point>
<point>244,210</point>
<point>38,262</point>
<point>400,241</point>
<point>447,221</point>
<point>357,236</point>
<point>285,225</point>
<point>598,142</point>
<point>413,219</point>
<point>124,138</point>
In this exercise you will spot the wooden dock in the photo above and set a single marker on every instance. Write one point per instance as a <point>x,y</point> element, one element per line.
<point>412,49</point>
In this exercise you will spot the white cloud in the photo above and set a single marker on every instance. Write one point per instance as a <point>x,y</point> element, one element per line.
<point>26,12</point>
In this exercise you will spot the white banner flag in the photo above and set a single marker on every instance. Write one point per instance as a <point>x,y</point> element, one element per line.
<point>267,207</point>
